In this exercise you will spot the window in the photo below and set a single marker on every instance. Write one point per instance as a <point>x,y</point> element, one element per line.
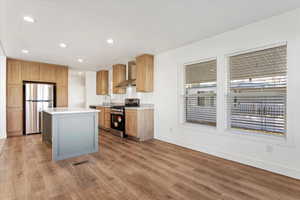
<point>200,93</point>
<point>258,91</point>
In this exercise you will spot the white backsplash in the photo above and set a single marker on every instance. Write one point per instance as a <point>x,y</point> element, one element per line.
<point>145,98</point>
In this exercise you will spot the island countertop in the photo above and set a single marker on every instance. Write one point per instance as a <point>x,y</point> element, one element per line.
<point>66,110</point>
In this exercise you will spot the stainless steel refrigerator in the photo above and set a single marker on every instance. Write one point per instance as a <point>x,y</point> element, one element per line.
<point>37,98</point>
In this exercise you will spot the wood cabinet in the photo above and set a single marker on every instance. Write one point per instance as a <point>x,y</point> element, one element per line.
<point>47,73</point>
<point>104,117</point>
<point>61,96</point>
<point>14,96</point>
<point>14,72</point>
<point>30,71</point>
<point>102,82</point>
<point>139,124</point>
<point>144,73</point>
<point>100,116</point>
<point>61,74</point>
<point>14,121</point>
<point>19,71</point>
<point>107,118</point>
<point>131,122</point>
<point>119,75</point>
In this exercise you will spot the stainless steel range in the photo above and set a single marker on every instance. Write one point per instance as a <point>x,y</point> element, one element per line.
<point>117,114</point>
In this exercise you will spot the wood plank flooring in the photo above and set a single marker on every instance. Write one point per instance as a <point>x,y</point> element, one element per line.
<point>128,170</point>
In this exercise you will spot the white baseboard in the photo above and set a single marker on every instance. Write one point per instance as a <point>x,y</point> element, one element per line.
<point>272,167</point>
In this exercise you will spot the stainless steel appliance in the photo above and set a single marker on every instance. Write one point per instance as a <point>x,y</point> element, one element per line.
<point>37,98</point>
<point>132,102</point>
<point>118,120</point>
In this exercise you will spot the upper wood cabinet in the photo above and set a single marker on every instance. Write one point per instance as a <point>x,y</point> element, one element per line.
<point>30,71</point>
<point>47,73</point>
<point>61,74</point>
<point>144,73</point>
<point>119,75</point>
<point>14,72</point>
<point>102,82</point>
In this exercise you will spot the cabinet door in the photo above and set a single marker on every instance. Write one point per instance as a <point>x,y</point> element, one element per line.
<point>131,123</point>
<point>107,118</point>
<point>14,72</point>
<point>102,82</point>
<point>47,73</point>
<point>144,73</point>
<point>101,117</point>
<point>61,74</point>
<point>119,75</point>
<point>14,96</point>
<point>14,122</point>
<point>30,71</point>
<point>98,83</point>
<point>61,96</point>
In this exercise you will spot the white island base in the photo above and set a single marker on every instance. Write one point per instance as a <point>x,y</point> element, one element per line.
<point>71,131</point>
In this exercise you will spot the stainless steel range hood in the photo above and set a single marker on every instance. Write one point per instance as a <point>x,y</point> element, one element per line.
<point>131,81</point>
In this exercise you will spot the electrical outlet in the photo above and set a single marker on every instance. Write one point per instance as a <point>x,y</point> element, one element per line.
<point>269,149</point>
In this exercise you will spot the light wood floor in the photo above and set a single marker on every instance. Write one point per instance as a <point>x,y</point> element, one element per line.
<point>124,170</point>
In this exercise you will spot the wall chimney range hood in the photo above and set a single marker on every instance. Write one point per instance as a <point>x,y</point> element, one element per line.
<point>131,81</point>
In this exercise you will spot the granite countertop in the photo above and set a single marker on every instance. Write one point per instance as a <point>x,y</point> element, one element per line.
<point>54,111</point>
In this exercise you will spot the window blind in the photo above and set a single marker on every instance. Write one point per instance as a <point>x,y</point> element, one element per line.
<point>257,98</point>
<point>200,93</point>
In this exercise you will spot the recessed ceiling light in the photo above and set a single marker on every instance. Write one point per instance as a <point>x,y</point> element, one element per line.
<point>25,51</point>
<point>80,60</point>
<point>110,41</point>
<point>63,45</point>
<point>29,19</point>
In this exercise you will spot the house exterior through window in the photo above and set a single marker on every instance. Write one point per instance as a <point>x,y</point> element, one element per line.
<point>200,93</point>
<point>258,86</point>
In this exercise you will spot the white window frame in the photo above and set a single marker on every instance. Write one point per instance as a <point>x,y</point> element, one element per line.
<point>286,139</point>
<point>181,85</point>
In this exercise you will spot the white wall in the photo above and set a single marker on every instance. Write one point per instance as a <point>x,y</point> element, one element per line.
<point>2,94</point>
<point>91,97</point>
<point>77,88</point>
<point>268,152</point>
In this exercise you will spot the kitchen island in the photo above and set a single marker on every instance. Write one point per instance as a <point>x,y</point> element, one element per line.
<point>71,131</point>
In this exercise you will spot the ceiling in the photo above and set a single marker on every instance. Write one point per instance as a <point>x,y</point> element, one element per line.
<point>137,26</point>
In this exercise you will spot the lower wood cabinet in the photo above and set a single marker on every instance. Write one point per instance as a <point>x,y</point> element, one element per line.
<point>131,122</point>
<point>107,118</point>
<point>139,124</point>
<point>14,122</point>
<point>104,117</point>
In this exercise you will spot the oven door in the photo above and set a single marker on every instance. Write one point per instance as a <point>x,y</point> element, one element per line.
<point>118,122</point>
